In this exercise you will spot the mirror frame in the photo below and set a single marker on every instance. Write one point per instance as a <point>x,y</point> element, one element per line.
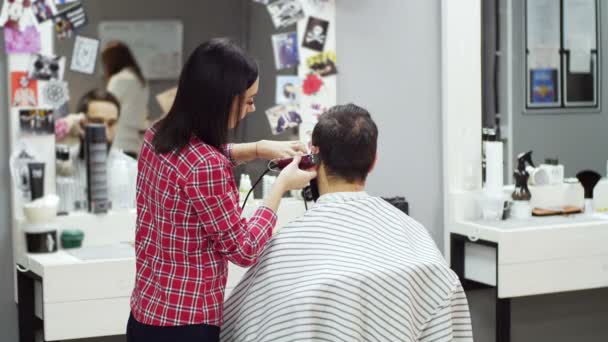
<point>461,106</point>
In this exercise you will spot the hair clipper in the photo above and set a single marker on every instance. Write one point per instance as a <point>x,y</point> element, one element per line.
<point>311,192</point>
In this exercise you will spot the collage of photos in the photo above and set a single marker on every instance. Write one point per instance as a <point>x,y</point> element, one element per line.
<point>297,97</point>
<point>40,92</point>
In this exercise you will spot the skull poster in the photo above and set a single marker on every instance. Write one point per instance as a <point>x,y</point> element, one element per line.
<point>316,34</point>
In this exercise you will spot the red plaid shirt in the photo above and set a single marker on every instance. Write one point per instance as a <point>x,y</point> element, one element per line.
<point>188,227</point>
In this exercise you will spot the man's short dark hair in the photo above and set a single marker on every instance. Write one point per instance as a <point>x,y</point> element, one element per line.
<point>96,95</point>
<point>347,138</point>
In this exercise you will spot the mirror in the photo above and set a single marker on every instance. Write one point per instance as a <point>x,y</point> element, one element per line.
<point>533,71</point>
<point>244,21</point>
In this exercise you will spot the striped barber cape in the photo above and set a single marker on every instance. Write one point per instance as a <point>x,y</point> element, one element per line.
<point>353,268</point>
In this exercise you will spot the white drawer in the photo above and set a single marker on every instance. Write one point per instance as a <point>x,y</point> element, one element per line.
<point>83,319</point>
<point>89,281</point>
<point>551,276</point>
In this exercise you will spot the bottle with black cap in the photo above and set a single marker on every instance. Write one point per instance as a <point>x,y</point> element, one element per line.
<point>65,180</point>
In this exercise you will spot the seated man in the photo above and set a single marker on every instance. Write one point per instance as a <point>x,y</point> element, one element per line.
<point>95,107</point>
<point>353,268</point>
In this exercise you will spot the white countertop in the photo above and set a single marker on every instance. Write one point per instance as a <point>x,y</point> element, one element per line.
<point>548,222</point>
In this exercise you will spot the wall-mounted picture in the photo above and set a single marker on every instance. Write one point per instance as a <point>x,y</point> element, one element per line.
<point>17,14</point>
<point>16,41</point>
<point>24,91</point>
<point>45,68</point>
<point>84,56</point>
<point>282,117</point>
<point>36,121</point>
<point>43,10</point>
<point>316,34</point>
<point>68,20</point>
<point>323,63</point>
<point>544,86</point>
<point>55,94</point>
<point>285,12</point>
<point>286,54</point>
<point>288,89</point>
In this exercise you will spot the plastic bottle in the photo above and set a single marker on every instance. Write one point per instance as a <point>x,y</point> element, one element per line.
<point>244,186</point>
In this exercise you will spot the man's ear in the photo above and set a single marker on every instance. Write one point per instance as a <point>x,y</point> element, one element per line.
<point>314,150</point>
<point>374,163</point>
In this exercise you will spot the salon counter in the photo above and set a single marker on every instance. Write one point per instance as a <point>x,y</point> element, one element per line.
<point>527,257</point>
<point>82,293</point>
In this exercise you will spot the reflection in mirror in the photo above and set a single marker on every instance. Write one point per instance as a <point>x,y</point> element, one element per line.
<point>525,41</point>
<point>142,88</point>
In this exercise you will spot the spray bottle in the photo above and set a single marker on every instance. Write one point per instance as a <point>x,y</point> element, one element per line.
<point>521,196</point>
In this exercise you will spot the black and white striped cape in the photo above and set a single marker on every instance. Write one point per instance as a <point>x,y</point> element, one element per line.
<point>353,268</point>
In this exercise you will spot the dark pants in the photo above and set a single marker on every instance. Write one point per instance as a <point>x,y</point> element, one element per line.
<point>138,332</point>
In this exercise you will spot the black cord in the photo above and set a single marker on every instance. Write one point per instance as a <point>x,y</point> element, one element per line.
<point>305,204</point>
<point>253,187</point>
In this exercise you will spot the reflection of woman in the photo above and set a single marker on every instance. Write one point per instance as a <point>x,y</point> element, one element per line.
<point>126,81</point>
<point>189,222</point>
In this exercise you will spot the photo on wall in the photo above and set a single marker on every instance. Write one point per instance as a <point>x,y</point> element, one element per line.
<point>17,15</point>
<point>43,10</point>
<point>84,55</point>
<point>544,86</point>
<point>45,67</point>
<point>55,94</point>
<point>282,117</point>
<point>65,2</point>
<point>36,121</point>
<point>285,46</point>
<point>288,89</point>
<point>315,35</point>
<point>24,91</point>
<point>68,20</point>
<point>324,64</point>
<point>27,41</point>
<point>285,12</point>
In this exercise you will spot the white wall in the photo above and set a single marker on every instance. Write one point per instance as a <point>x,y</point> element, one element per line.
<point>389,62</point>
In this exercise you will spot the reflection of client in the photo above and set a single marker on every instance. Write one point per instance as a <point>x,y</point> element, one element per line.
<point>289,120</point>
<point>97,107</point>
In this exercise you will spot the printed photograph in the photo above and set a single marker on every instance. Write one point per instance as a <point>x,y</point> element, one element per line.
<point>286,54</point>
<point>316,34</point>
<point>282,117</point>
<point>46,68</point>
<point>36,121</point>
<point>24,91</point>
<point>285,12</point>
<point>288,89</point>
<point>324,64</point>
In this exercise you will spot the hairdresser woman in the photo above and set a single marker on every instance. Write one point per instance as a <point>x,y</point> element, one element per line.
<point>189,222</point>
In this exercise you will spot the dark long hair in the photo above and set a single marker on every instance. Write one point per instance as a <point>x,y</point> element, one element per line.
<point>117,56</point>
<point>217,73</point>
